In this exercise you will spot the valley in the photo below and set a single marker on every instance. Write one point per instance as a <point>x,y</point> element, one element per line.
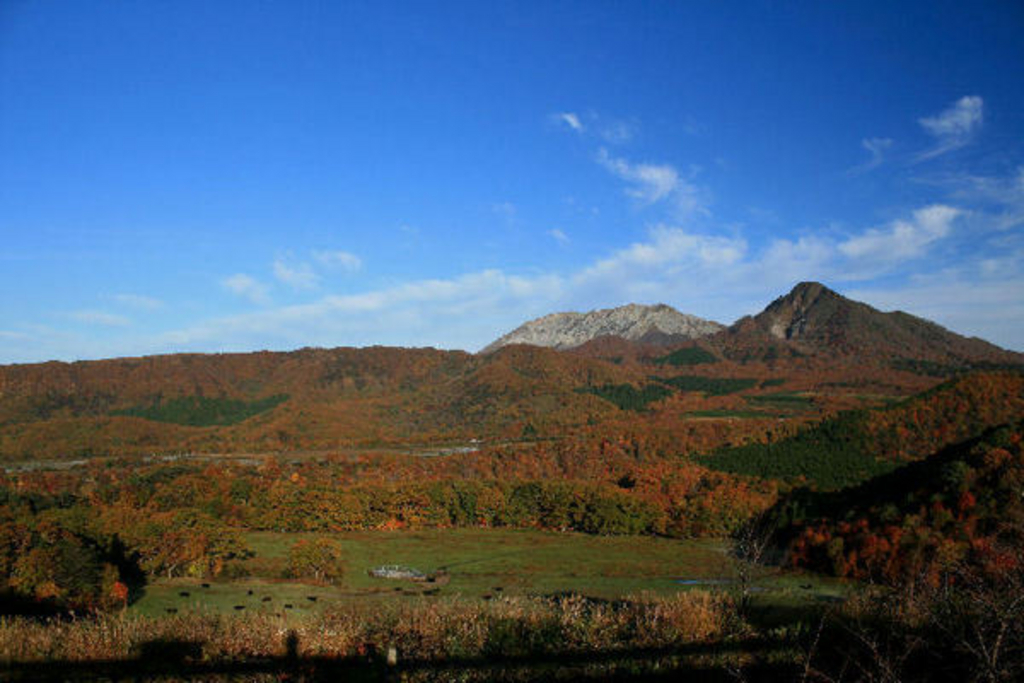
<point>802,467</point>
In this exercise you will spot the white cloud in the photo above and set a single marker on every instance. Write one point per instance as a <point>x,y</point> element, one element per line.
<point>902,239</point>
<point>956,121</point>
<point>344,260</point>
<point>997,201</point>
<point>953,127</point>
<point>444,312</point>
<point>559,236</point>
<point>569,119</point>
<point>484,286</point>
<point>139,302</point>
<point>654,183</point>
<point>807,258</point>
<point>714,276</point>
<point>296,276</point>
<point>669,251</point>
<point>102,318</point>
<point>247,287</point>
<point>649,182</point>
<point>717,276</point>
<point>966,299</point>
<point>877,147</point>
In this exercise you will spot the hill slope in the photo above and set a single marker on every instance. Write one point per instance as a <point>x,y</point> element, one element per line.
<point>960,505</point>
<point>299,400</point>
<point>814,320</point>
<point>856,445</point>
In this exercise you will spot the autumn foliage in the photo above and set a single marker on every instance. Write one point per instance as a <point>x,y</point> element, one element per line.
<point>962,505</point>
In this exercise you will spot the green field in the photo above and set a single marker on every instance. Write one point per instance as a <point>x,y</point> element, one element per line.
<point>480,564</point>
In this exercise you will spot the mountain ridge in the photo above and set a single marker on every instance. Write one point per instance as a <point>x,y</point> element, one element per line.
<point>813,319</point>
<point>809,351</point>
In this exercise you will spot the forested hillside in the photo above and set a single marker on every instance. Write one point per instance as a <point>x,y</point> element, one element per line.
<point>961,505</point>
<point>323,399</point>
<point>856,445</point>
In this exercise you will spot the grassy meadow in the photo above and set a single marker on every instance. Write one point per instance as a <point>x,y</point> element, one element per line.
<point>477,564</point>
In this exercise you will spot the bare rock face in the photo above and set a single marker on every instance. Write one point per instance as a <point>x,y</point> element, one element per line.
<point>787,316</point>
<point>634,322</point>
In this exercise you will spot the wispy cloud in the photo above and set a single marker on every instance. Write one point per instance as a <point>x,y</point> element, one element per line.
<point>617,132</point>
<point>594,126</point>
<point>714,275</point>
<point>654,183</point>
<point>902,239</point>
<point>559,236</point>
<point>247,287</point>
<point>295,275</point>
<point>997,200</point>
<point>718,276</point>
<point>876,147</point>
<point>649,183</point>
<point>139,302</point>
<point>670,264</point>
<point>102,318</point>
<point>569,119</point>
<point>344,260</point>
<point>668,245</point>
<point>445,312</point>
<point>970,299</point>
<point>953,127</point>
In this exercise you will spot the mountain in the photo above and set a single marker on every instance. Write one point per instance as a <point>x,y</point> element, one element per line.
<point>808,353</point>
<point>814,320</point>
<point>658,324</point>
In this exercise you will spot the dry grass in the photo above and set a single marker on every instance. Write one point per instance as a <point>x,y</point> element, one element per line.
<point>419,629</point>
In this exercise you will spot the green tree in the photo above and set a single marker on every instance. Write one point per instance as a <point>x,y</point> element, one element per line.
<point>319,559</point>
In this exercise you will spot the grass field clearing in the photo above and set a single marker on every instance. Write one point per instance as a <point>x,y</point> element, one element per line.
<point>480,564</point>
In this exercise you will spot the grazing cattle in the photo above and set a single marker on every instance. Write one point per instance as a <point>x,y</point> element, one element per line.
<point>183,594</point>
<point>487,596</point>
<point>239,607</point>
<point>206,585</point>
<point>249,592</point>
<point>287,605</point>
<point>498,589</point>
<point>266,599</point>
<point>172,610</point>
<point>311,598</point>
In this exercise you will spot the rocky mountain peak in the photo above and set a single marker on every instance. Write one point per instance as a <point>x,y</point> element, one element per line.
<point>813,319</point>
<point>787,317</point>
<point>634,322</point>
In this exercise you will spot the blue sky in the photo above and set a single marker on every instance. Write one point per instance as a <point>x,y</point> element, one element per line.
<point>232,176</point>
